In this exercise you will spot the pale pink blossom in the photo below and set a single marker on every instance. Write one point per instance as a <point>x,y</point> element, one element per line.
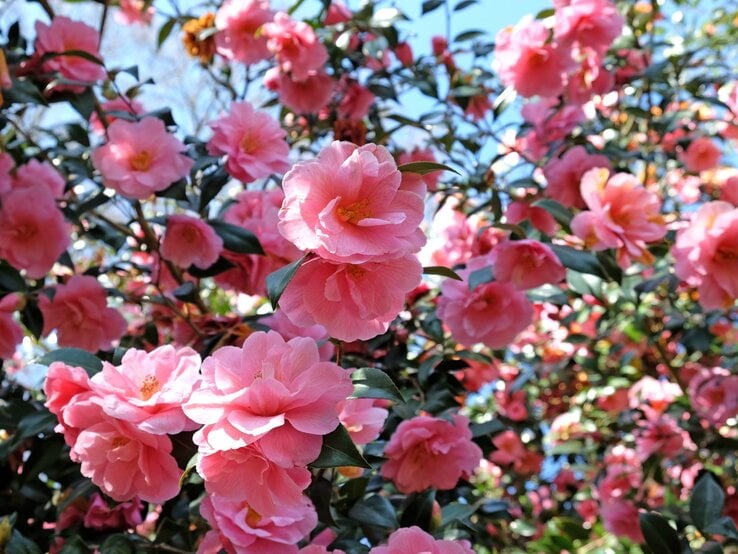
<point>11,333</point>
<point>527,61</point>
<point>279,322</point>
<point>268,488</point>
<point>63,35</point>
<point>526,264</point>
<point>295,45</point>
<point>140,158</point>
<point>125,515</point>
<point>706,254</point>
<point>414,182</point>
<point>549,123</point>
<point>308,96</point>
<point>428,452</point>
<point>239,529</point>
<point>148,389</point>
<point>190,241</point>
<point>713,394</point>
<point>591,78</point>
<point>352,302</point>
<point>493,313</point>
<point>702,154</point>
<point>347,206</point>
<point>414,539</point>
<point>363,418</point>
<point>33,233</point>
<point>80,314</point>
<point>564,175</point>
<point>119,104</point>
<point>40,173</point>
<point>239,25</point>
<point>134,11</point>
<point>253,143</point>
<point>355,102</point>
<point>622,215</point>
<point>653,396</point>
<point>591,23</point>
<point>277,392</point>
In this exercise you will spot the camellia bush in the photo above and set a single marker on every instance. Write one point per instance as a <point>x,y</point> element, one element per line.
<point>379,295</point>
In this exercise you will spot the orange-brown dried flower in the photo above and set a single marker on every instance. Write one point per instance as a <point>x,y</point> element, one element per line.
<point>199,37</point>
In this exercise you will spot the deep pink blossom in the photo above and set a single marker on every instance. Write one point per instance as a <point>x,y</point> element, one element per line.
<point>308,96</point>
<point>702,154</point>
<point>493,313</point>
<point>140,158</point>
<point>80,314</point>
<point>526,264</point>
<point>430,452</point>
<point>295,45</point>
<point>355,102</point>
<point>277,392</point>
<point>190,241</point>
<point>253,142</point>
<point>11,333</point>
<point>662,436</point>
<point>620,517</point>
<point>347,206</point>
<point>40,173</point>
<point>125,515</point>
<point>338,12</point>
<point>6,166</point>
<point>239,26</point>
<point>414,539</point>
<point>148,389</point>
<point>352,302</point>
<point>564,175</point>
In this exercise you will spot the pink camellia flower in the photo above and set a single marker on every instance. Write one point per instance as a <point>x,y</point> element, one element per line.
<point>119,104</point>
<point>239,529</point>
<point>622,214</point>
<point>338,12</point>
<point>620,518</point>
<point>257,211</point>
<point>295,45</point>
<point>134,11</point>
<point>140,158</point>
<point>356,102</point>
<point>526,264</point>
<point>414,539</point>
<point>430,452</point>
<point>66,387</point>
<point>6,166</point>
<point>252,141</point>
<point>63,35</point>
<point>11,334</point>
<point>591,78</point>
<point>413,182</point>
<point>706,254</point>
<point>33,233</point>
<point>239,24</point>
<point>702,154</point>
<point>439,45</point>
<point>40,173</point>
<point>713,394</point>
<point>190,241</point>
<point>540,218</point>
<point>308,96</point>
<point>550,124</point>
<point>347,206</point>
<point>277,392</point>
<point>362,418</point>
<point>493,313</point>
<point>79,312</point>
<point>269,486</point>
<point>122,460</point>
<point>404,53</point>
<point>527,61</point>
<point>148,389</point>
<point>728,190</point>
<point>125,515</point>
<point>279,322</point>
<point>352,302</point>
<point>564,175</point>
<point>591,23</point>
<point>662,436</point>
<point>509,448</point>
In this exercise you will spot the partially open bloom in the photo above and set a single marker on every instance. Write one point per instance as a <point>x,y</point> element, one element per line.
<point>347,206</point>
<point>252,141</point>
<point>706,254</point>
<point>352,302</point>
<point>702,154</point>
<point>239,24</point>
<point>414,539</point>
<point>269,390</point>
<point>148,388</point>
<point>140,158</point>
<point>295,45</point>
<point>430,452</point>
<point>492,313</point>
<point>526,264</point>
<point>80,314</point>
<point>362,418</point>
<point>190,241</point>
<point>125,515</point>
<point>622,214</point>
<point>33,233</point>
<point>63,35</point>
<point>564,175</point>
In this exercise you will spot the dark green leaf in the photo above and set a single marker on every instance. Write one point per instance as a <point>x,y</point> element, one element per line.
<point>117,544</point>
<point>422,168</point>
<point>464,4</point>
<point>23,91</point>
<point>73,357</point>
<point>468,35</point>
<point>219,266</point>
<point>375,510</point>
<point>430,5</point>
<point>455,511</point>
<point>559,212</point>
<point>583,262</point>
<point>11,279</point>
<point>18,544</point>
<point>32,318</point>
<point>661,537</point>
<point>164,32</point>
<point>320,492</point>
<point>278,280</point>
<point>211,185</point>
<point>187,292</point>
<point>339,450</point>
<point>491,427</point>
<point>480,276</point>
<point>175,191</point>
<point>442,271</point>
<point>706,503</point>
<point>418,510</point>
<point>236,239</point>
<point>191,464</point>
<point>370,382</point>
<point>724,526</point>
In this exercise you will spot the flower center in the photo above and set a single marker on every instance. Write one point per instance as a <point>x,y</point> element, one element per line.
<point>149,386</point>
<point>727,254</point>
<point>252,517</point>
<point>353,213</point>
<point>355,271</point>
<point>26,231</point>
<point>141,161</point>
<point>249,143</point>
<point>119,441</point>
